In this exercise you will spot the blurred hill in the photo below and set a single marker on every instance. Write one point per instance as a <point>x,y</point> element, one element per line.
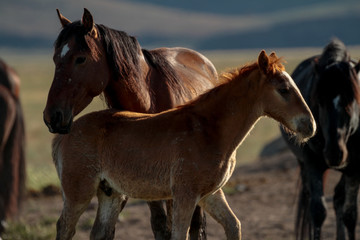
<point>199,24</point>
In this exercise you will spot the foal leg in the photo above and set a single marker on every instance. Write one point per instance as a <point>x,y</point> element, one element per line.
<point>183,209</point>
<point>65,227</point>
<point>109,207</point>
<point>198,222</point>
<point>217,206</point>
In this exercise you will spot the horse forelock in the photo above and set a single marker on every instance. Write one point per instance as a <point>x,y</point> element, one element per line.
<point>76,30</point>
<point>338,79</point>
<point>335,51</point>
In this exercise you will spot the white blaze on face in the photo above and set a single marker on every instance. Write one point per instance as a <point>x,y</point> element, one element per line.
<point>289,78</point>
<point>64,50</point>
<point>336,101</point>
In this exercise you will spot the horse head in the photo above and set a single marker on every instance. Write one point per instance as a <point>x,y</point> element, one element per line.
<point>338,97</point>
<point>284,102</point>
<point>81,72</point>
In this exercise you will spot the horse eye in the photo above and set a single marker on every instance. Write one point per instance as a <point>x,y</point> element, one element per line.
<point>283,91</point>
<point>80,60</point>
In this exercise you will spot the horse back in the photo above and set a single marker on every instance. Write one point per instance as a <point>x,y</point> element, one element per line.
<point>178,75</point>
<point>304,76</point>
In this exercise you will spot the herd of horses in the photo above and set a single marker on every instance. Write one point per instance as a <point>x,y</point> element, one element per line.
<point>171,130</point>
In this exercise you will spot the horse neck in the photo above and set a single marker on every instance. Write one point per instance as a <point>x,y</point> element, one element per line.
<point>130,92</point>
<point>234,107</point>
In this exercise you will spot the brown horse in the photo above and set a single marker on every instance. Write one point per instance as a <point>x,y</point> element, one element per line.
<point>185,154</point>
<point>91,59</point>
<point>12,162</point>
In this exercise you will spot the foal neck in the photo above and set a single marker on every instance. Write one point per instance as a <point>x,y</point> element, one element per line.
<point>234,107</point>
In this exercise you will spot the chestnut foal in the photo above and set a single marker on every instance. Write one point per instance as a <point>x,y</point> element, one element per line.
<point>185,154</point>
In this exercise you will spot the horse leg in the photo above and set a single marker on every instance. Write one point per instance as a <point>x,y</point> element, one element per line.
<point>350,205</point>
<point>312,171</point>
<point>109,207</point>
<point>217,206</point>
<point>339,200</point>
<point>158,220</point>
<point>183,209</point>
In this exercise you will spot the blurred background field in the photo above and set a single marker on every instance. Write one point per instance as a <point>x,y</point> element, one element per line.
<point>36,71</point>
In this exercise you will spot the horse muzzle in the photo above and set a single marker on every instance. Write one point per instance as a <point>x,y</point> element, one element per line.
<point>336,158</point>
<point>57,122</point>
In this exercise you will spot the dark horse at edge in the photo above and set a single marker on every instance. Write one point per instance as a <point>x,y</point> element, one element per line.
<point>12,141</point>
<point>330,86</point>
<point>92,59</point>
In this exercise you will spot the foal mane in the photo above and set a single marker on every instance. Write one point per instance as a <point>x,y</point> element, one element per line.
<point>232,76</point>
<point>275,65</point>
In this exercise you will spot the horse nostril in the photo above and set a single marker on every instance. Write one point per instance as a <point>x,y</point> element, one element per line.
<point>57,118</point>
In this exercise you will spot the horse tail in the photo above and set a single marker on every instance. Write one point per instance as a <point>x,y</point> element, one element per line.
<point>302,224</point>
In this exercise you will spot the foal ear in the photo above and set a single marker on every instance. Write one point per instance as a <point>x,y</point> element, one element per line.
<point>88,22</point>
<point>273,55</point>
<point>263,62</point>
<point>63,20</point>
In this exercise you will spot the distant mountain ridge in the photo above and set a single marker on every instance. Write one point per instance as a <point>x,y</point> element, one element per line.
<point>200,24</point>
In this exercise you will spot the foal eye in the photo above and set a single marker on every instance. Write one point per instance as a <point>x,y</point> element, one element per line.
<point>80,60</point>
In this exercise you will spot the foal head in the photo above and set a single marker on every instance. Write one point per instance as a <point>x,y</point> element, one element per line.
<point>338,96</point>
<point>282,99</point>
<point>81,72</point>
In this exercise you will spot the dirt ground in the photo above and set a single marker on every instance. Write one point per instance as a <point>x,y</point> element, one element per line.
<point>264,200</point>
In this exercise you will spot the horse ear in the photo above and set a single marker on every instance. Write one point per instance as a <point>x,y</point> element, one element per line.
<point>88,23</point>
<point>263,62</point>
<point>63,20</point>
